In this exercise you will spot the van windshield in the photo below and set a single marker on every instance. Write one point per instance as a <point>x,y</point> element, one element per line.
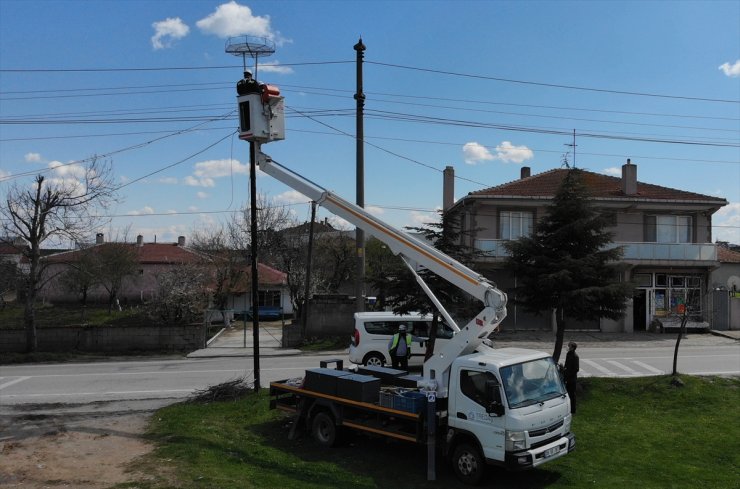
<point>531,382</point>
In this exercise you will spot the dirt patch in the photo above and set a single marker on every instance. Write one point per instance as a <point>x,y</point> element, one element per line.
<point>71,451</point>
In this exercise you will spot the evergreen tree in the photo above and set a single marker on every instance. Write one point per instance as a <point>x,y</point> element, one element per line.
<point>565,266</point>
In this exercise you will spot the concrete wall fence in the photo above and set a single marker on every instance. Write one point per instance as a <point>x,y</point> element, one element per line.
<point>109,339</point>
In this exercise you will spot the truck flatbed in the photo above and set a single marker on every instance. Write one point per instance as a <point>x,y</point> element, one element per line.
<point>364,416</point>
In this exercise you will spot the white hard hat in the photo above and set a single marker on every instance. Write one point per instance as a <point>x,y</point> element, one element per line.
<point>402,327</point>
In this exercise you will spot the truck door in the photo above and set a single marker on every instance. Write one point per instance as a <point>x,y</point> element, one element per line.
<point>468,412</point>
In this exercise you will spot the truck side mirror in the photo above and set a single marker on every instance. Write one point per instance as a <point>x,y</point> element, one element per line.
<point>494,403</point>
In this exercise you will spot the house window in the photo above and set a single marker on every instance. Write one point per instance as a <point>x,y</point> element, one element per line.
<point>643,279</point>
<point>515,224</point>
<point>268,298</point>
<point>668,229</point>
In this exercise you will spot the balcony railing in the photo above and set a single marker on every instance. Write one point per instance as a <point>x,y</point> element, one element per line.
<point>494,248</point>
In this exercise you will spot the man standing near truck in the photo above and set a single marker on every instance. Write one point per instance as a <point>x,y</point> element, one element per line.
<point>400,348</point>
<point>571,374</point>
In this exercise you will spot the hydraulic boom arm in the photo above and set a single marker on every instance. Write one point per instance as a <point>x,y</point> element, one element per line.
<point>413,250</point>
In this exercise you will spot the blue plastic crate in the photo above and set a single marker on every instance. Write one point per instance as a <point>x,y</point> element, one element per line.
<point>409,401</point>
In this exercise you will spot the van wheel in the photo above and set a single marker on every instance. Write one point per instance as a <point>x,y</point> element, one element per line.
<point>468,464</point>
<point>324,430</point>
<point>374,360</point>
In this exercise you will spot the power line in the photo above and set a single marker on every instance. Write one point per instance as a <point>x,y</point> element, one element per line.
<point>169,68</point>
<point>111,153</point>
<point>551,85</point>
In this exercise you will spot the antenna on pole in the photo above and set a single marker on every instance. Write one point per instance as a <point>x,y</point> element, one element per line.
<point>254,47</point>
<point>573,146</point>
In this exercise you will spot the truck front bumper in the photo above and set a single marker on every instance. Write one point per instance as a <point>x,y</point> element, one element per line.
<point>528,459</point>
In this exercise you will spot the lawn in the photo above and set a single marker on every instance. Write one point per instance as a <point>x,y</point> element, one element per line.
<point>11,316</point>
<point>631,433</point>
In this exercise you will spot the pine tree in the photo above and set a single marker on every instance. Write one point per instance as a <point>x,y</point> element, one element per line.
<point>565,266</point>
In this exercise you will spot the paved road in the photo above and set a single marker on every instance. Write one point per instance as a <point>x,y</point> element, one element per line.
<point>160,381</point>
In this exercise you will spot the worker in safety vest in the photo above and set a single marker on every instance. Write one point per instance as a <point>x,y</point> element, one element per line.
<point>400,348</point>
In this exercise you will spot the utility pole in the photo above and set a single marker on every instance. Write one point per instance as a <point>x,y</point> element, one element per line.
<point>304,323</point>
<point>360,141</point>
<point>255,276</point>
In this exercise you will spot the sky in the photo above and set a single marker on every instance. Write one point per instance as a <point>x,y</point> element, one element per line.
<point>486,87</point>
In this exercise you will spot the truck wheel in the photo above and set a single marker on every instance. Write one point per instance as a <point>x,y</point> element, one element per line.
<point>374,360</point>
<point>324,430</point>
<point>468,464</point>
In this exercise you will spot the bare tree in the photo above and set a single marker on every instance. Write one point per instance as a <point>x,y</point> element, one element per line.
<point>227,261</point>
<point>63,207</point>
<point>114,264</point>
<point>81,274</point>
<point>182,295</point>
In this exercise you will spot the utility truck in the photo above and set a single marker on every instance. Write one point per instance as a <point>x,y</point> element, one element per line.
<point>475,404</point>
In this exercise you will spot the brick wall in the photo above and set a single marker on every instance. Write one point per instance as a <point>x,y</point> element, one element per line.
<point>108,339</point>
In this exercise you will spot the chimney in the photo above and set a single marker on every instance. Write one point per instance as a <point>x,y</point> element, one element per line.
<point>629,178</point>
<point>139,240</point>
<point>526,172</point>
<point>181,241</point>
<point>448,188</point>
<point>99,239</point>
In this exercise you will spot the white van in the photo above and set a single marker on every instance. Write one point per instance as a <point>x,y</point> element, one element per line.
<point>374,330</point>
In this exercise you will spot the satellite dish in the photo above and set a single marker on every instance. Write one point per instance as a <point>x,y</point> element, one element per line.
<point>733,283</point>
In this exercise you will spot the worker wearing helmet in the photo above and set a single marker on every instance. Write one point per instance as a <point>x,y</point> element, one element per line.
<point>400,348</point>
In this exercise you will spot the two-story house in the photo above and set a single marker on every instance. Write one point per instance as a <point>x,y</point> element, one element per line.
<point>666,235</point>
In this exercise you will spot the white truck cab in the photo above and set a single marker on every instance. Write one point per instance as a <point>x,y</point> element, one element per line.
<point>513,402</point>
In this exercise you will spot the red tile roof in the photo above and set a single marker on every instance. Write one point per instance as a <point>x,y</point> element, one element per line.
<point>148,253</point>
<point>726,255</point>
<point>599,185</point>
<point>266,275</point>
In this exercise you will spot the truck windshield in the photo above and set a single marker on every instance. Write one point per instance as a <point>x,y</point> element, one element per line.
<point>531,382</point>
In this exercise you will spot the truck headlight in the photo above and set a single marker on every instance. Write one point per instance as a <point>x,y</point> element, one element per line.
<point>566,423</point>
<point>515,440</point>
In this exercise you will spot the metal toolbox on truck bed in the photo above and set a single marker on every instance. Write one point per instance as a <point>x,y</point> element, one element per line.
<point>362,388</point>
<point>385,374</point>
<point>323,380</point>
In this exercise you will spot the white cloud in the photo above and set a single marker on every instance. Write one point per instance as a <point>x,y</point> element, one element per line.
<point>198,182</point>
<point>474,153</point>
<point>32,157</point>
<point>613,171</point>
<point>4,173</point>
<point>219,168</point>
<point>726,223</point>
<point>167,31</point>
<point>731,70</point>
<point>146,210</point>
<point>508,153</point>
<point>375,211</point>
<point>292,197</point>
<point>421,219</point>
<point>232,19</point>
<point>168,180</point>
<point>73,171</point>
<point>192,208</point>
<point>201,195</point>
<point>339,223</point>
<point>275,67</point>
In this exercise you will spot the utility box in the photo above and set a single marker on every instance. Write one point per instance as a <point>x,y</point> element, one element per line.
<point>262,115</point>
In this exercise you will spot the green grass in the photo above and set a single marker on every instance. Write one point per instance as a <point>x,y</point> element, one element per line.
<point>340,342</point>
<point>631,433</point>
<point>11,316</point>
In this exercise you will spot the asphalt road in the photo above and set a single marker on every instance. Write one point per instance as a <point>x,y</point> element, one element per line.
<point>162,381</point>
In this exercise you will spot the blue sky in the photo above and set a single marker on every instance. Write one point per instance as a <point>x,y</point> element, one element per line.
<point>484,86</point>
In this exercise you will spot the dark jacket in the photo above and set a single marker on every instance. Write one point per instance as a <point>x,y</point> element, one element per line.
<point>571,366</point>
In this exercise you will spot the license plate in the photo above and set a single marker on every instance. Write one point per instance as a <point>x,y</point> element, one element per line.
<point>551,451</point>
